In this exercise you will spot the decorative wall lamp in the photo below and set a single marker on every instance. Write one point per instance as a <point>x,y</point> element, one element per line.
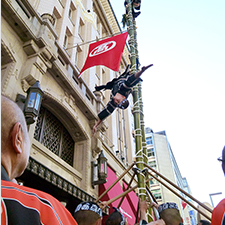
<point>32,103</point>
<point>101,172</point>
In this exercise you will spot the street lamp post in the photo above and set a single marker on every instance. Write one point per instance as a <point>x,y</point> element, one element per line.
<point>210,195</point>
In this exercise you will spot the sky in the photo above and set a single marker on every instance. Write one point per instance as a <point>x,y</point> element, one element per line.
<point>184,92</point>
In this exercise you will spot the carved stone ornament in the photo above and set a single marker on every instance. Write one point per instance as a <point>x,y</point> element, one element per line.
<point>96,146</point>
<point>48,17</point>
<point>70,100</point>
<point>25,85</point>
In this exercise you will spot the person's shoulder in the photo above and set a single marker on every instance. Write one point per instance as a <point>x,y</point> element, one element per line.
<point>220,206</point>
<point>12,186</point>
<point>34,197</point>
<point>218,215</point>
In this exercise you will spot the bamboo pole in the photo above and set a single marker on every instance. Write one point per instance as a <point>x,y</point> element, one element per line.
<point>184,192</point>
<point>206,216</point>
<point>144,146</point>
<point>124,193</point>
<point>136,110</point>
<point>141,114</point>
<point>113,184</point>
<point>142,125</point>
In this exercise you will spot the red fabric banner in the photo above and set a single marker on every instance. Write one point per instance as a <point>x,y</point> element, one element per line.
<point>129,205</point>
<point>107,52</point>
<point>184,204</point>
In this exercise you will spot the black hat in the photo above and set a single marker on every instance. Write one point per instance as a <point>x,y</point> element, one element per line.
<point>124,104</point>
<point>91,206</point>
<point>168,205</point>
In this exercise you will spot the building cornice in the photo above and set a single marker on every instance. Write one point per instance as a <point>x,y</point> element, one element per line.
<point>50,176</point>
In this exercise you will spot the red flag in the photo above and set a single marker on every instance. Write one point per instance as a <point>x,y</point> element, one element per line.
<point>107,52</point>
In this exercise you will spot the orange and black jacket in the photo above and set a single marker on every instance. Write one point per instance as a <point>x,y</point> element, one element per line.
<point>26,206</point>
<point>218,215</point>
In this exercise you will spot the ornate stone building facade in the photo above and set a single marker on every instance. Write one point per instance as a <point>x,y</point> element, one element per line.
<point>46,41</point>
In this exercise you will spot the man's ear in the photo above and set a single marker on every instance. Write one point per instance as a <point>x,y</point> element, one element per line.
<point>17,138</point>
<point>99,221</point>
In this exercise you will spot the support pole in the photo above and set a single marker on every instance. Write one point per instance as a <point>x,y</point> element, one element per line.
<point>155,211</point>
<point>152,196</point>
<point>124,193</point>
<point>169,188</point>
<point>178,188</point>
<point>131,180</point>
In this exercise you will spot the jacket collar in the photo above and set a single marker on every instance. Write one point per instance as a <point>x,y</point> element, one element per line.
<point>4,175</point>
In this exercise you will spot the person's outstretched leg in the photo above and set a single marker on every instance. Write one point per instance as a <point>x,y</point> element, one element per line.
<point>139,73</point>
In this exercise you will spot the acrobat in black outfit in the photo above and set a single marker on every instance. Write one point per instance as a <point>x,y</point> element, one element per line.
<point>120,87</point>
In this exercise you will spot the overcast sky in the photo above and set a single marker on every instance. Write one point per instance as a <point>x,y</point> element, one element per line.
<point>184,93</point>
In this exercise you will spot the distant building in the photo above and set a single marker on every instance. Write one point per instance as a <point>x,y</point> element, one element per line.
<point>161,158</point>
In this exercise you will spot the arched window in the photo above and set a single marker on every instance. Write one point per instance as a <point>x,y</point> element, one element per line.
<point>53,135</point>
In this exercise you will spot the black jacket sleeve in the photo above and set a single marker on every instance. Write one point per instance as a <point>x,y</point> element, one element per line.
<point>110,107</point>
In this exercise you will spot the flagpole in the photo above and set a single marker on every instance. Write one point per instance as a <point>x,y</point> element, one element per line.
<point>95,40</point>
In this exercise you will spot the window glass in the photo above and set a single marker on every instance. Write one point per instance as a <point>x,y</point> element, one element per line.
<point>53,135</point>
<point>31,100</point>
<point>150,152</point>
<point>149,141</point>
<point>37,101</point>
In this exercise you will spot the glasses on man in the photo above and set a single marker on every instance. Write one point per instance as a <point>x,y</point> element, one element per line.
<point>221,160</point>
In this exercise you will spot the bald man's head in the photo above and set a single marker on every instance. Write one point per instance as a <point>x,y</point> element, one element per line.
<point>15,142</point>
<point>10,115</point>
<point>169,212</point>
